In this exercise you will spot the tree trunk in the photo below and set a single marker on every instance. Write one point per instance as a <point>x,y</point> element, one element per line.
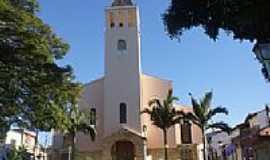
<point>204,145</point>
<point>73,143</point>
<point>165,144</point>
<point>36,144</point>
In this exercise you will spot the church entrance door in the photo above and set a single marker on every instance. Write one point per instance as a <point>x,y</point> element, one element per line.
<point>123,150</point>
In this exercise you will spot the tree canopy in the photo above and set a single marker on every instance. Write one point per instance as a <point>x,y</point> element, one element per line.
<point>34,89</point>
<point>244,19</point>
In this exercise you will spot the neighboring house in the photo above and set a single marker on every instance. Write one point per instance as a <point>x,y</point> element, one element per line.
<point>258,119</point>
<point>117,99</point>
<point>217,142</point>
<point>247,141</point>
<point>253,132</point>
<point>17,138</point>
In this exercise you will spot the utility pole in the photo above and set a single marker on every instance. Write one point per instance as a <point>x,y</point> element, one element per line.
<point>69,152</point>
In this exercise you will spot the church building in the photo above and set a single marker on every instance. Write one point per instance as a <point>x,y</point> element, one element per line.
<point>116,100</point>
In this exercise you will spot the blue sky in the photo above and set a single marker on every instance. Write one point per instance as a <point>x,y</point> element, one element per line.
<point>196,64</point>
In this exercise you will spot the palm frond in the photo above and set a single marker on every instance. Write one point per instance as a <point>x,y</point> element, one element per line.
<point>87,129</point>
<point>170,93</point>
<point>219,125</point>
<point>197,109</point>
<point>178,116</point>
<point>217,110</point>
<point>162,113</point>
<point>78,123</point>
<point>206,101</point>
<point>146,111</point>
<point>180,113</point>
<point>170,98</point>
<point>154,102</point>
<point>177,120</point>
<point>192,117</point>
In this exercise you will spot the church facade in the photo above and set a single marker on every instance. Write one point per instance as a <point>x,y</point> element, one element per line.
<point>116,100</point>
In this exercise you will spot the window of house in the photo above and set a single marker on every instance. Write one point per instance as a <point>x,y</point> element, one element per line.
<point>186,134</point>
<point>122,45</point>
<point>13,142</point>
<point>123,113</point>
<point>93,116</point>
<point>144,128</point>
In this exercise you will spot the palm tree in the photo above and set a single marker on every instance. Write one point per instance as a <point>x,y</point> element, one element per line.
<point>78,123</point>
<point>202,116</point>
<point>163,115</point>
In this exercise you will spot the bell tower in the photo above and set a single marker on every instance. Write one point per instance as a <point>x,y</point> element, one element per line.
<point>122,3</point>
<point>122,67</point>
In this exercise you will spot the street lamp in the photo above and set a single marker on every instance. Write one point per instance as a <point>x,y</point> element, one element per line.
<point>262,52</point>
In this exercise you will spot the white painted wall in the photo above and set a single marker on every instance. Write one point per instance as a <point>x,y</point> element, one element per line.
<point>14,136</point>
<point>200,151</point>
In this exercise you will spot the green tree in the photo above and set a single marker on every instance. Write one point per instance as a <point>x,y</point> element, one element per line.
<point>78,123</point>
<point>164,116</point>
<point>202,116</point>
<point>18,154</point>
<point>34,89</point>
<point>243,19</point>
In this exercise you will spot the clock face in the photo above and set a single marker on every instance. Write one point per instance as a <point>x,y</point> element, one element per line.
<point>122,45</point>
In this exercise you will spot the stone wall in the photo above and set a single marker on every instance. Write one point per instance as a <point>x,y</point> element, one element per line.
<point>63,155</point>
<point>183,152</point>
<point>89,156</point>
<point>157,154</point>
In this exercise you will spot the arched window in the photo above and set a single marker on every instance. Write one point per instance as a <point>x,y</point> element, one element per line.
<point>122,45</point>
<point>121,24</point>
<point>145,130</point>
<point>112,25</point>
<point>186,134</point>
<point>93,116</point>
<point>123,113</point>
